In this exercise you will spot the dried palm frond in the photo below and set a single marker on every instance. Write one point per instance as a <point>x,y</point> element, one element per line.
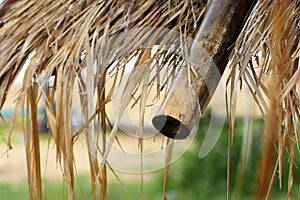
<point>267,55</point>
<point>61,38</point>
<point>87,44</point>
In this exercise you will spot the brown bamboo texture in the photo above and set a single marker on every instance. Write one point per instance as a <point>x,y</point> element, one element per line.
<point>197,81</point>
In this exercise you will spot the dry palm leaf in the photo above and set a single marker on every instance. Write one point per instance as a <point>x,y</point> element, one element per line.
<point>270,41</point>
<point>88,43</point>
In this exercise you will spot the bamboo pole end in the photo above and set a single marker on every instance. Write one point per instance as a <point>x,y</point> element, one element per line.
<point>171,127</point>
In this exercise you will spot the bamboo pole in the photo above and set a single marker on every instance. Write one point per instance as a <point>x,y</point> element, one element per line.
<point>196,82</point>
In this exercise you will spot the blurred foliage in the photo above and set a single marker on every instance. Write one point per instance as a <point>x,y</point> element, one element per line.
<point>189,177</point>
<point>205,178</point>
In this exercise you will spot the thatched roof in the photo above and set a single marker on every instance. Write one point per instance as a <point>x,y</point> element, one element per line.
<point>64,38</point>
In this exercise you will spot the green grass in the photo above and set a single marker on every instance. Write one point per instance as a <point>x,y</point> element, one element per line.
<point>200,186</point>
<point>189,177</point>
<point>57,190</point>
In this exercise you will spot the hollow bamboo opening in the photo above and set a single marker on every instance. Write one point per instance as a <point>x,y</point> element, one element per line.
<point>196,82</point>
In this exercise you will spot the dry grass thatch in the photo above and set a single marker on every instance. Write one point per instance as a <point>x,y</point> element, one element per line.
<point>87,43</point>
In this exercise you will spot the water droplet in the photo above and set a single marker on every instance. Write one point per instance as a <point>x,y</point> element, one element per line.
<point>7,157</point>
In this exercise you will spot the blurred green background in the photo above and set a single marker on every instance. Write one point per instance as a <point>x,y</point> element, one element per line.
<point>189,177</point>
